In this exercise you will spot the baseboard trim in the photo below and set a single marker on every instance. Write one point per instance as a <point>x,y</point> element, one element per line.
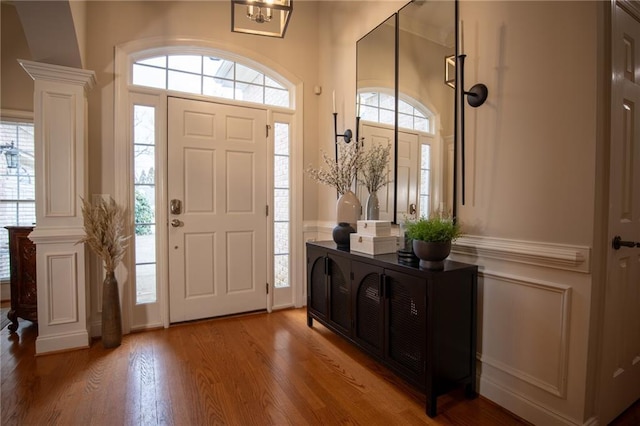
<point>523,407</point>
<point>62,342</point>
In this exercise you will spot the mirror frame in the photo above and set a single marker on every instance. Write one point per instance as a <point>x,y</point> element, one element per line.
<point>454,183</point>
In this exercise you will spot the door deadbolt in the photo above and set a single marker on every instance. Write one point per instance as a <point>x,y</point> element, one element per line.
<point>175,206</point>
<point>176,223</point>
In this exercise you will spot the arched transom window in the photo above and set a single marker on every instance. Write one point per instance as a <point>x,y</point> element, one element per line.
<point>210,76</point>
<point>378,107</point>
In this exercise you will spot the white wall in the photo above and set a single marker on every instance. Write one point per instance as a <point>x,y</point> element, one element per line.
<point>531,163</point>
<point>529,212</point>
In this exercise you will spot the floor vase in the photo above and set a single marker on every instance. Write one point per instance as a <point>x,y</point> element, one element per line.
<point>111,316</point>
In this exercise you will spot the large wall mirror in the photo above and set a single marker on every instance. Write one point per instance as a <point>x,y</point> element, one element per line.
<point>403,99</point>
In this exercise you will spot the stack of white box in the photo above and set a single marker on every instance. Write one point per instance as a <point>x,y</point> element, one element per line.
<point>374,237</point>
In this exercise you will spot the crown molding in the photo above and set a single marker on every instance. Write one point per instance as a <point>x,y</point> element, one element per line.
<point>59,73</point>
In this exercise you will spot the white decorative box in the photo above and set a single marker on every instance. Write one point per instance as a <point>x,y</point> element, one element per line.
<point>374,228</point>
<point>373,245</point>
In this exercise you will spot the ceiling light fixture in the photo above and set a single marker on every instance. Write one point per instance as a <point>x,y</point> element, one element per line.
<point>267,18</point>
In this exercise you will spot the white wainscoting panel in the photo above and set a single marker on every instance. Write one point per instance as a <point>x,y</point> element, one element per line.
<point>58,128</point>
<point>533,326</point>
<point>62,287</point>
<point>535,315</point>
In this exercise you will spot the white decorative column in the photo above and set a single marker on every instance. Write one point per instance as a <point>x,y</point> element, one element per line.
<point>60,104</point>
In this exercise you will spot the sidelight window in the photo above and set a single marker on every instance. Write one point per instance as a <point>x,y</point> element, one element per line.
<point>281,202</point>
<point>144,188</point>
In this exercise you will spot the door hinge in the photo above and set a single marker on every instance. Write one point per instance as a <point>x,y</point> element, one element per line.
<point>266,210</point>
<point>268,128</point>
<point>267,287</point>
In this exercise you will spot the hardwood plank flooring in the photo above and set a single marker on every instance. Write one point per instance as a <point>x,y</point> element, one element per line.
<point>263,369</point>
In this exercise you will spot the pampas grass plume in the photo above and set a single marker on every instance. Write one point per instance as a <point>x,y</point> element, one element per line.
<point>104,226</point>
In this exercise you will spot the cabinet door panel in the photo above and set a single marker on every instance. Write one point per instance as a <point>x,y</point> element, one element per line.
<point>317,287</point>
<point>340,292</point>
<point>369,306</point>
<point>406,318</point>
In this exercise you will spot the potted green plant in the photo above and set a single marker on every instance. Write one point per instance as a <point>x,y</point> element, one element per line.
<point>431,239</point>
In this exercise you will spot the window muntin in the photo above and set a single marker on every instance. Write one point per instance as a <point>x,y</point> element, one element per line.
<point>211,76</point>
<point>17,184</point>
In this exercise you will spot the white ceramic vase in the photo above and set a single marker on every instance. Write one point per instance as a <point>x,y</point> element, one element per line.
<point>348,209</point>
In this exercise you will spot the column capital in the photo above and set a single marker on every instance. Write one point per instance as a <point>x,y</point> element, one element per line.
<point>59,73</point>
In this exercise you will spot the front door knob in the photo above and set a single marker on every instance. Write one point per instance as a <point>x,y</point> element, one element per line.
<point>176,223</point>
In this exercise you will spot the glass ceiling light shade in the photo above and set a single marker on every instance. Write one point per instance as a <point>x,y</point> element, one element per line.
<point>267,18</point>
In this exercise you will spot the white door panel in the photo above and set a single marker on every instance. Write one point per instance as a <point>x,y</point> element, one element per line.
<point>217,168</point>
<point>620,371</point>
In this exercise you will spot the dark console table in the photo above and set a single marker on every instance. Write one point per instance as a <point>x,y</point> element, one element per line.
<point>419,323</point>
<point>22,259</point>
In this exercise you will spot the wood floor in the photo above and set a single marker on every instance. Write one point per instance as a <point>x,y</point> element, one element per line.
<point>264,369</point>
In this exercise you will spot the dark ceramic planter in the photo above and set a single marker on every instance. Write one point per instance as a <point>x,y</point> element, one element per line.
<point>431,255</point>
<point>342,235</point>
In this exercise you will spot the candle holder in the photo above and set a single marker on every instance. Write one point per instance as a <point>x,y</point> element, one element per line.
<point>476,96</point>
<point>347,135</point>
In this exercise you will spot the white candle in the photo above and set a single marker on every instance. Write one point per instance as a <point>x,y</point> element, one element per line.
<point>358,106</point>
<point>334,101</point>
<point>461,38</point>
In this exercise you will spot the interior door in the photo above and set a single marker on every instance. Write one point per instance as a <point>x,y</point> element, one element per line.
<point>217,187</point>
<point>620,372</point>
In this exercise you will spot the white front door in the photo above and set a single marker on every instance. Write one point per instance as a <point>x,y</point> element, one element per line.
<point>408,170</point>
<point>620,367</point>
<point>378,135</point>
<point>217,175</point>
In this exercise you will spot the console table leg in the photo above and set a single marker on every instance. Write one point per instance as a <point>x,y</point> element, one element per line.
<point>431,406</point>
<point>470,391</point>
<point>13,317</point>
<point>309,321</point>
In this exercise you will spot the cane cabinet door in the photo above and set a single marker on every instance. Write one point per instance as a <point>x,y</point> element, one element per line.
<point>317,282</point>
<point>339,284</point>
<point>369,307</point>
<point>329,288</point>
<point>406,324</point>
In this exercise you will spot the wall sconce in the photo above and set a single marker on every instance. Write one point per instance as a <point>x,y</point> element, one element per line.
<point>476,96</point>
<point>267,18</point>
<point>10,155</point>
